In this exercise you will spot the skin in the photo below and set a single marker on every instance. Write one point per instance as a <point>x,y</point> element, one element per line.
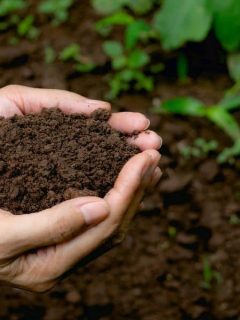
<point>37,250</point>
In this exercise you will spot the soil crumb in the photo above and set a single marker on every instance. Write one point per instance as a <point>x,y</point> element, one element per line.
<point>50,157</point>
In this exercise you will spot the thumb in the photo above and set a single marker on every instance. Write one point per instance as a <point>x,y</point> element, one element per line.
<point>57,224</point>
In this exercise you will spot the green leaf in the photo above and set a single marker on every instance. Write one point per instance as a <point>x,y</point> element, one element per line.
<point>113,49</point>
<point>218,5</point>
<point>71,52</point>
<point>140,6</point>
<point>138,59</point>
<point>108,6</point>
<point>25,25</point>
<point>118,18</point>
<point>230,102</point>
<point>184,106</point>
<point>233,62</point>
<point>8,6</point>
<point>126,75</point>
<point>120,82</point>
<point>119,62</point>
<point>225,121</point>
<point>84,67</point>
<point>143,82</point>
<point>134,32</point>
<point>178,22</point>
<point>227,23</point>
<point>228,154</point>
<point>57,8</point>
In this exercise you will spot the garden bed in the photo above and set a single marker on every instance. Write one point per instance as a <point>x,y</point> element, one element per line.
<point>181,257</point>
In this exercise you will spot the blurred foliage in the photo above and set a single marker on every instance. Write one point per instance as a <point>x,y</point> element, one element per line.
<point>136,35</point>
<point>210,276</point>
<point>177,24</point>
<point>174,24</point>
<point>58,9</point>
<point>200,148</point>
<point>219,114</point>
<point>137,6</point>
<point>129,62</point>
<point>50,55</point>
<point>73,53</point>
<point>26,28</point>
<point>9,6</point>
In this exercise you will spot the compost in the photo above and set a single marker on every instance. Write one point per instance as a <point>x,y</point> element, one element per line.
<point>50,157</point>
<point>151,276</point>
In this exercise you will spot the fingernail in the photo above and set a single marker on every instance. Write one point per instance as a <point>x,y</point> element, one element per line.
<point>147,166</point>
<point>148,122</point>
<point>94,212</point>
<point>156,177</point>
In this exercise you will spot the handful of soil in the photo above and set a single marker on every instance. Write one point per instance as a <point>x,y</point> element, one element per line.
<point>50,157</point>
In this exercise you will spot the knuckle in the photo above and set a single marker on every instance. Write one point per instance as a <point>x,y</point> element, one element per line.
<point>62,230</point>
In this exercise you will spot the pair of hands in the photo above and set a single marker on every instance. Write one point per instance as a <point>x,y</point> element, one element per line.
<point>36,250</point>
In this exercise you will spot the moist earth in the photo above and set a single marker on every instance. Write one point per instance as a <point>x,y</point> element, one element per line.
<point>152,275</point>
<point>50,157</point>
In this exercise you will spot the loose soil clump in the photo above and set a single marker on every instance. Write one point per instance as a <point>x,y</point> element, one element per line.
<point>50,157</point>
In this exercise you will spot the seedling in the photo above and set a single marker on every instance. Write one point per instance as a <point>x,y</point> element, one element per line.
<point>105,25</point>
<point>129,61</point>
<point>128,69</point>
<point>73,53</point>
<point>8,7</point>
<point>200,148</point>
<point>219,114</point>
<point>57,9</point>
<point>7,13</point>
<point>193,21</point>
<point>26,28</point>
<point>210,276</point>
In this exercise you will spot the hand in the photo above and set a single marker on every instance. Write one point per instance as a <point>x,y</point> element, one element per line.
<point>37,249</point>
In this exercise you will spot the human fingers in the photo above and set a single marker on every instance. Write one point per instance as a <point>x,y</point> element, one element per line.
<point>67,254</point>
<point>32,100</point>
<point>147,140</point>
<point>129,122</point>
<point>51,226</point>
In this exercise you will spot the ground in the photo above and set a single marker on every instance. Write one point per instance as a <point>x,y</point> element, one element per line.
<point>157,273</point>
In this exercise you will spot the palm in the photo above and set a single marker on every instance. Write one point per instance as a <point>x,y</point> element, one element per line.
<point>122,200</point>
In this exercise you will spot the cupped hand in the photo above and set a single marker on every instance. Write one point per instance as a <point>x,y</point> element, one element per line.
<point>36,250</point>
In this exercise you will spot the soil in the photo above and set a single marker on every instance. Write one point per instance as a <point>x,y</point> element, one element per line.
<point>50,157</point>
<point>156,274</point>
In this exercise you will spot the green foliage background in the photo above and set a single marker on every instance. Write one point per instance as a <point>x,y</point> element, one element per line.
<point>169,25</point>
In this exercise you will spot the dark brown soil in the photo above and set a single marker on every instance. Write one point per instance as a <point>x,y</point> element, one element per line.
<point>155,274</point>
<point>50,157</point>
